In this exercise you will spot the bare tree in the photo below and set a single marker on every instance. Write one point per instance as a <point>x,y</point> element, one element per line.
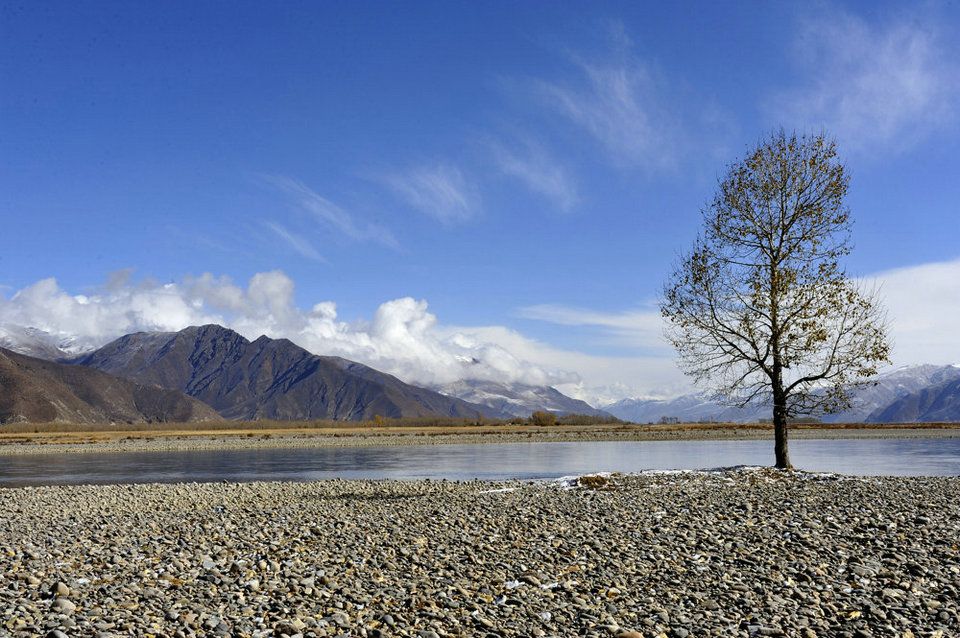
<point>760,309</point>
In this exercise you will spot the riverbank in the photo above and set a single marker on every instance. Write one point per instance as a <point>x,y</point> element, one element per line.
<point>75,440</point>
<point>734,553</point>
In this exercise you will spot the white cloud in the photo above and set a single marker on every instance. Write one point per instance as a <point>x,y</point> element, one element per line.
<point>328,215</point>
<point>923,306</point>
<point>602,379</point>
<point>869,85</point>
<point>440,191</point>
<point>648,371</point>
<point>542,174</point>
<point>96,319</point>
<point>922,302</point>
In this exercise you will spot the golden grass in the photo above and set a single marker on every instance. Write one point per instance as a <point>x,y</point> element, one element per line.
<point>592,481</point>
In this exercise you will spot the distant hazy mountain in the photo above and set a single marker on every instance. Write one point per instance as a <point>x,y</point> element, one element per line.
<point>686,409</point>
<point>37,391</point>
<point>518,399</point>
<point>267,378</point>
<point>869,402</point>
<point>939,402</point>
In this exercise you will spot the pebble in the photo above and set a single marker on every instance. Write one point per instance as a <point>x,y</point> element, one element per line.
<point>63,605</point>
<point>728,553</point>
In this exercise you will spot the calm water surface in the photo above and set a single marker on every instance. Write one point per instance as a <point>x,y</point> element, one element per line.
<point>492,461</point>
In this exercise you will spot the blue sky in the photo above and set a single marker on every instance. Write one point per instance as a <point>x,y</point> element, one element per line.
<point>449,189</point>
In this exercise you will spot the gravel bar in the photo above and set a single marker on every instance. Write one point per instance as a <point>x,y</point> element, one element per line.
<point>739,552</point>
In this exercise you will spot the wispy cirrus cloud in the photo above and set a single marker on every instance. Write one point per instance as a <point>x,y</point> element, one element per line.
<point>623,104</point>
<point>440,191</point>
<point>641,329</point>
<point>328,214</point>
<point>871,85</point>
<point>530,163</point>
<point>298,243</point>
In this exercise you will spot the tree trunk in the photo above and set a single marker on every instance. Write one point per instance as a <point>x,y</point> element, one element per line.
<point>779,409</point>
<point>780,430</point>
<point>780,443</point>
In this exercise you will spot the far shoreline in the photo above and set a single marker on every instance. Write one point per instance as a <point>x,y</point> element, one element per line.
<point>76,439</point>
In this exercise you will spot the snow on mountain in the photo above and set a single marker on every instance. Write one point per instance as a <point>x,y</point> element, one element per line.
<point>34,342</point>
<point>518,399</point>
<point>685,409</point>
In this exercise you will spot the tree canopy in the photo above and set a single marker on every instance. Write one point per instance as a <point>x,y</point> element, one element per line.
<point>761,309</point>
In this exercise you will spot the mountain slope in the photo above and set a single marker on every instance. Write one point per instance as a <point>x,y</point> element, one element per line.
<point>936,403</point>
<point>519,399</point>
<point>267,378</point>
<point>37,391</point>
<point>893,386</point>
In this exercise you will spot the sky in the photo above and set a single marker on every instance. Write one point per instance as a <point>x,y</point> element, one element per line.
<point>444,190</point>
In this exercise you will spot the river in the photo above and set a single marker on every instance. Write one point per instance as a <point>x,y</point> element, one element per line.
<point>491,461</point>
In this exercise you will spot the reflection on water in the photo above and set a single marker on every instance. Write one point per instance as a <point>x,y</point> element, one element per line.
<point>869,457</point>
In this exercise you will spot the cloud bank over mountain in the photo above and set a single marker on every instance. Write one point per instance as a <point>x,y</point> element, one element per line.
<point>403,337</point>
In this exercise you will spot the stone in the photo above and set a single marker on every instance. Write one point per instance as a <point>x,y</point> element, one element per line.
<point>64,606</point>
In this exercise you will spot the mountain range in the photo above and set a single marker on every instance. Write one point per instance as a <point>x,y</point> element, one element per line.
<point>275,379</point>
<point>904,395</point>
<point>267,378</point>
<point>238,379</point>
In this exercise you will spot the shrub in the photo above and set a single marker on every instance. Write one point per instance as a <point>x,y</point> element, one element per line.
<point>543,418</point>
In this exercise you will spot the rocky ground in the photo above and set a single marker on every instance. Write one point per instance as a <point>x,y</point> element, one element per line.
<point>735,553</point>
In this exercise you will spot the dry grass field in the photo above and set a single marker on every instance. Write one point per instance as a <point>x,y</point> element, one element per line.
<point>325,433</point>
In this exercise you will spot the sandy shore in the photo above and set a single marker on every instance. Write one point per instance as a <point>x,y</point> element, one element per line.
<point>79,441</point>
<point>739,553</point>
